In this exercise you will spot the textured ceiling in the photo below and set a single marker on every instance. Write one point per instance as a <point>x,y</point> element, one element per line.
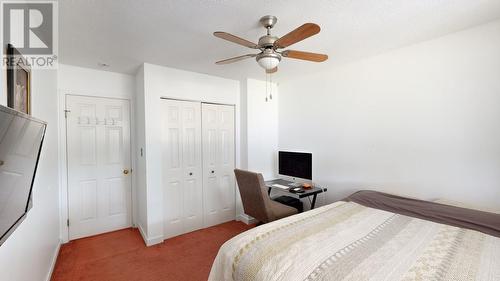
<point>125,33</point>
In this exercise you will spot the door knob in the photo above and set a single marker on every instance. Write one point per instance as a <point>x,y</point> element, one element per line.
<point>212,171</point>
<point>1,163</point>
<point>190,174</point>
<point>125,171</point>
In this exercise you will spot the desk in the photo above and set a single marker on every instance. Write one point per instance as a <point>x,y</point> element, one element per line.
<point>307,192</point>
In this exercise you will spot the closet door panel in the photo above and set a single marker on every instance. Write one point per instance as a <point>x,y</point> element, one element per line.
<point>218,164</point>
<point>182,178</point>
<point>193,186</point>
<point>211,193</point>
<point>172,168</point>
<point>226,163</point>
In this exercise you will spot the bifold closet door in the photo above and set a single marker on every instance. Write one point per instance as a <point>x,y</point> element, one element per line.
<point>182,167</point>
<point>218,163</point>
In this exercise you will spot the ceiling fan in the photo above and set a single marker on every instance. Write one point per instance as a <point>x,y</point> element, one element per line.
<point>269,56</point>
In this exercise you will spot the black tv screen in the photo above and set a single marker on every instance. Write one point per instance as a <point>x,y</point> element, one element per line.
<point>295,164</point>
<point>21,138</point>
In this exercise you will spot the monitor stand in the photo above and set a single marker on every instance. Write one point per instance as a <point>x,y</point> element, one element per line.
<point>289,181</point>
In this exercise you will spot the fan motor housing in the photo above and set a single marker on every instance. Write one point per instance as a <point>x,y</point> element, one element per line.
<point>268,53</point>
<point>267,41</point>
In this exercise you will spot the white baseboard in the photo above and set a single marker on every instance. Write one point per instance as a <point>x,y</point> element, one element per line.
<point>53,262</point>
<point>149,241</point>
<point>246,219</point>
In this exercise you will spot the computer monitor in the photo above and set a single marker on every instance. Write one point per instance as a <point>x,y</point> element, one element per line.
<point>295,164</point>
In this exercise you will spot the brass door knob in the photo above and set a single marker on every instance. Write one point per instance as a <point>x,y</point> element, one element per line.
<point>125,171</point>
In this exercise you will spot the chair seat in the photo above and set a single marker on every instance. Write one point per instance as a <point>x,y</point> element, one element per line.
<point>282,211</point>
<point>290,201</point>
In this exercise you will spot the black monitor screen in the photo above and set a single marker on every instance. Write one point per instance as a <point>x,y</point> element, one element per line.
<point>295,164</point>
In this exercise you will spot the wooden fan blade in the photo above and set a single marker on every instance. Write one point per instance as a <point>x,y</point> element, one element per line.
<point>304,55</point>
<point>235,39</point>
<point>272,70</point>
<point>235,59</point>
<point>300,33</point>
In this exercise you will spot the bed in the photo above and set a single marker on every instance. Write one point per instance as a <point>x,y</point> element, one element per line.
<point>368,236</point>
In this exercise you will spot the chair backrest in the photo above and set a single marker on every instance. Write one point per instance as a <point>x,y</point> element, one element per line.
<point>253,193</point>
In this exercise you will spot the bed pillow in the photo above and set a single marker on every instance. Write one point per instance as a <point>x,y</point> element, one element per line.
<point>483,221</point>
<point>463,205</point>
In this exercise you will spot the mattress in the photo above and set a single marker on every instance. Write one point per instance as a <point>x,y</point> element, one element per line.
<point>350,240</point>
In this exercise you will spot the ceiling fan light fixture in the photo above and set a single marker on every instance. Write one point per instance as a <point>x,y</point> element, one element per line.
<point>268,60</point>
<point>269,45</point>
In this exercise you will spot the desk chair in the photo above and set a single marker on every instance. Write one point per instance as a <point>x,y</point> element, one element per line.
<point>256,201</point>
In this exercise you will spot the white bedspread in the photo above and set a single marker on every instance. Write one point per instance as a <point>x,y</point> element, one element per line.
<point>347,241</point>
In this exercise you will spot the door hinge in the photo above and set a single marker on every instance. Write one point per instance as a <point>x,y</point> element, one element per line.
<point>66,111</point>
<point>67,222</point>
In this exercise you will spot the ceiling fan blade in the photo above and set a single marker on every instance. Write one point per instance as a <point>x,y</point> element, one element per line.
<point>304,55</point>
<point>273,70</point>
<point>235,39</point>
<point>235,59</point>
<point>300,33</point>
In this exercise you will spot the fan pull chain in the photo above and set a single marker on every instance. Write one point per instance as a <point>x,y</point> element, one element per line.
<point>270,86</point>
<point>267,74</point>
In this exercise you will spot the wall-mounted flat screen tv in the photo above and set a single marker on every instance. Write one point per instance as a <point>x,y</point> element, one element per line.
<point>21,138</point>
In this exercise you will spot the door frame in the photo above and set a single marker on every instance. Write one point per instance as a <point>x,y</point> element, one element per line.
<point>63,159</point>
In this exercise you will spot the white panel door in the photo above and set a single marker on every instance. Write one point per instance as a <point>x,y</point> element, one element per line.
<point>99,180</point>
<point>218,163</point>
<point>182,167</point>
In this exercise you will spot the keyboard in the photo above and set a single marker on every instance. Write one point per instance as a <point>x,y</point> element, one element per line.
<point>280,186</point>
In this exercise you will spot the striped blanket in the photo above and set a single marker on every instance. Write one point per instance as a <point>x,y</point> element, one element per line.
<point>348,241</point>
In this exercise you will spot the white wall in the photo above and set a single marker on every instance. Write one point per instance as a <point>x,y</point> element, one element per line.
<point>259,133</point>
<point>30,252</point>
<point>140,175</point>
<point>420,121</point>
<point>240,214</point>
<point>167,82</point>
<point>262,128</point>
<point>73,80</point>
<point>90,82</point>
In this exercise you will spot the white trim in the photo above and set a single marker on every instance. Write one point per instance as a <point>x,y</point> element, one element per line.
<point>149,241</point>
<point>237,142</point>
<point>142,232</point>
<point>246,219</point>
<point>200,101</point>
<point>63,168</point>
<point>53,262</point>
<point>63,179</point>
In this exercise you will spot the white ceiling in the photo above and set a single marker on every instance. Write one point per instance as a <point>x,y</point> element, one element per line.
<point>125,33</point>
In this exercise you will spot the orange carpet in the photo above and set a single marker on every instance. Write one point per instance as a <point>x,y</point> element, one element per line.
<point>122,255</point>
